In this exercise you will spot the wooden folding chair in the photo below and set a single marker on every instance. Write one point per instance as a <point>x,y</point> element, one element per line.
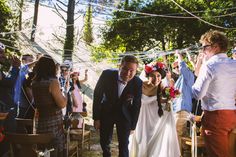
<point>24,125</point>
<point>81,135</point>
<point>27,143</point>
<point>187,141</point>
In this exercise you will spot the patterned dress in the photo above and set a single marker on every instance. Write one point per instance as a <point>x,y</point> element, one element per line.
<point>50,115</point>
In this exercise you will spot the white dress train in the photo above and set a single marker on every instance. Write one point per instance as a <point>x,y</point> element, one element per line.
<point>154,136</point>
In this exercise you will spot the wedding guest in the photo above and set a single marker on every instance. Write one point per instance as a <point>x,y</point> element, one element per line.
<point>182,106</point>
<point>21,93</point>
<point>65,83</point>
<point>49,100</point>
<point>76,92</point>
<point>7,82</point>
<point>117,100</point>
<point>7,79</point>
<point>215,86</point>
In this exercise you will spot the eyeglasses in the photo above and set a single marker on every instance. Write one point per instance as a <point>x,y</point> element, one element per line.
<point>205,46</point>
<point>176,67</point>
<point>64,70</point>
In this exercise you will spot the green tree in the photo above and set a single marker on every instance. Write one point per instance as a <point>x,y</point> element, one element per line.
<point>7,24</point>
<point>88,30</point>
<point>138,32</point>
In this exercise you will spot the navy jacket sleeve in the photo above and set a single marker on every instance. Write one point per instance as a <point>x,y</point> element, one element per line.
<point>97,96</point>
<point>136,102</point>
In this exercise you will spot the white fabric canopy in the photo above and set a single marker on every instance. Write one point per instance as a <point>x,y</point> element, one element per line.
<point>154,136</point>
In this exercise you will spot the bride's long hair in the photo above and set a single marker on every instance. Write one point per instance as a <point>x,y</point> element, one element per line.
<point>159,95</point>
<point>161,69</point>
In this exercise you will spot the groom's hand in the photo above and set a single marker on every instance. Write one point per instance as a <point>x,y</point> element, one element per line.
<point>97,124</point>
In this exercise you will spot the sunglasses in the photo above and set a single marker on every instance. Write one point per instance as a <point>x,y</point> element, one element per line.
<point>205,46</point>
<point>177,67</point>
<point>64,70</point>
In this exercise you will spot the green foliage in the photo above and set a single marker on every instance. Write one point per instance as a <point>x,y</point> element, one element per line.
<point>137,33</point>
<point>7,24</point>
<point>88,31</point>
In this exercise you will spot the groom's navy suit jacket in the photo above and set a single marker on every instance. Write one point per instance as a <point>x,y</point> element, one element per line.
<point>106,102</point>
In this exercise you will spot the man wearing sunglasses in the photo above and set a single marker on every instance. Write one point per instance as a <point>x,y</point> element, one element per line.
<point>182,105</point>
<point>215,86</point>
<point>66,85</point>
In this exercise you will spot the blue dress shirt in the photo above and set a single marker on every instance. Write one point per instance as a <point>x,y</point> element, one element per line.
<point>184,85</point>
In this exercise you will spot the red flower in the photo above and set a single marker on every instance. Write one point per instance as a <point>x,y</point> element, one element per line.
<point>171,92</point>
<point>160,65</point>
<point>148,69</point>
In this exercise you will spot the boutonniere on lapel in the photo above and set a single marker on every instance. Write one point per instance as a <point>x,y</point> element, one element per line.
<point>129,98</point>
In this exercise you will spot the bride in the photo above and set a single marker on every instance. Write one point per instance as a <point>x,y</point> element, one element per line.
<point>155,134</point>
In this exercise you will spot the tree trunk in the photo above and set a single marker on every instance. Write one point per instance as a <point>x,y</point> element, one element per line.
<point>20,16</point>
<point>36,6</point>
<point>69,41</point>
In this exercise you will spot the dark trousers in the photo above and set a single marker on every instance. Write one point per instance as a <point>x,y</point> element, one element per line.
<point>123,132</point>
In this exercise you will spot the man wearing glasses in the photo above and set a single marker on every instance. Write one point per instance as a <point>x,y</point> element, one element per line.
<point>65,83</point>
<point>215,86</point>
<point>182,105</point>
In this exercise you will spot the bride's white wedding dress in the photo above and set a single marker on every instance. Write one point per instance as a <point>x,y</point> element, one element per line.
<point>154,136</point>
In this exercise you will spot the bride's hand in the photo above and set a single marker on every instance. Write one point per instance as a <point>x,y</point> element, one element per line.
<point>131,132</point>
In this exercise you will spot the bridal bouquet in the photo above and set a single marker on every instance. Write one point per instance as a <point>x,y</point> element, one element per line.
<point>171,92</point>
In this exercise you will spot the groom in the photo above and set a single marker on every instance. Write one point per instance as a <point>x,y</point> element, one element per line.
<point>117,100</point>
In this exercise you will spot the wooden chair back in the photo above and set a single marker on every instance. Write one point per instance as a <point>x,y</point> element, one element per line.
<point>26,144</point>
<point>24,125</point>
<point>81,135</point>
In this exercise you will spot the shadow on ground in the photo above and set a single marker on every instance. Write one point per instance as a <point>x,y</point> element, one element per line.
<point>96,150</point>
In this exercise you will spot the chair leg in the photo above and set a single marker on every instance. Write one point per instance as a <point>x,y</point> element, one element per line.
<point>77,151</point>
<point>11,151</point>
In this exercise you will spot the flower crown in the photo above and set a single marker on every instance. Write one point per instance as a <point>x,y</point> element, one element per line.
<point>150,68</point>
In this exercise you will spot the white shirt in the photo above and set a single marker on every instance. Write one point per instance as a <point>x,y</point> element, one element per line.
<point>121,85</point>
<point>216,84</point>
